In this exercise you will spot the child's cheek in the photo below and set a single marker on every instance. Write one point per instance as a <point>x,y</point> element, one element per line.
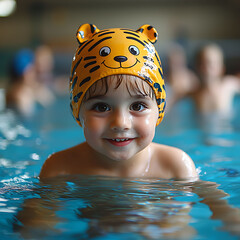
<point>146,125</point>
<point>93,124</point>
<point>92,130</point>
<point>151,118</point>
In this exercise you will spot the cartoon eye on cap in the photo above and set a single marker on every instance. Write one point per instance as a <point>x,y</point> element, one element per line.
<point>133,50</point>
<point>104,51</point>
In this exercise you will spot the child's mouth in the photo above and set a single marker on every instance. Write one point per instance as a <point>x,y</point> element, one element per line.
<point>120,142</point>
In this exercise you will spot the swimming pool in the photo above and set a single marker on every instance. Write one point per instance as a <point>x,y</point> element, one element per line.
<point>94,207</point>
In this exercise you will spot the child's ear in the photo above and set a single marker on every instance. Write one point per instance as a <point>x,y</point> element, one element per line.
<point>85,32</point>
<point>149,31</point>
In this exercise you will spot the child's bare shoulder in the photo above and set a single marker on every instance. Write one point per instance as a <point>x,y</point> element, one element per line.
<point>175,160</point>
<point>59,162</point>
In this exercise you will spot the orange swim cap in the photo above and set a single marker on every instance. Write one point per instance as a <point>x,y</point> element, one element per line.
<point>102,53</point>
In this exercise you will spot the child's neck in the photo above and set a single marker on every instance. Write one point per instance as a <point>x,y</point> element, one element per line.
<point>136,166</point>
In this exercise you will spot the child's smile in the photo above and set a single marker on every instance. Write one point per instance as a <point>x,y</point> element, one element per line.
<point>120,142</point>
<point>119,124</point>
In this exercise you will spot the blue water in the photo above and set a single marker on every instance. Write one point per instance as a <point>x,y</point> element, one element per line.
<point>94,207</point>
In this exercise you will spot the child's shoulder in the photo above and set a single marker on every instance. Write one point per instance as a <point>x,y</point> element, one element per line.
<point>59,163</point>
<point>175,160</point>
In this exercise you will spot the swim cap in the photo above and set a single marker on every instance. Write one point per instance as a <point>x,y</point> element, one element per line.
<point>21,61</point>
<point>102,53</point>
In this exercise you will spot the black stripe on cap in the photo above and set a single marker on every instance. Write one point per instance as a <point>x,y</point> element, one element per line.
<point>83,46</point>
<point>94,69</point>
<point>158,60</point>
<point>160,100</point>
<point>148,65</point>
<point>148,58</point>
<point>89,64</point>
<point>76,97</point>
<point>89,58</point>
<point>74,68</point>
<point>74,82</point>
<point>157,86</point>
<point>101,31</point>
<point>84,81</point>
<point>105,33</point>
<point>135,39</point>
<point>148,79</point>
<point>134,34</point>
<point>159,70</point>
<point>98,42</point>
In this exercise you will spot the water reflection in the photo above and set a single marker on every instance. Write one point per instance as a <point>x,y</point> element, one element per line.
<point>87,207</point>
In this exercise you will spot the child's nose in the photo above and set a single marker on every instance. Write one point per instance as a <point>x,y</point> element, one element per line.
<point>121,120</point>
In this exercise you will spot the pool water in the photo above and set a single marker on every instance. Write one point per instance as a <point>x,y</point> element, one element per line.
<point>97,207</point>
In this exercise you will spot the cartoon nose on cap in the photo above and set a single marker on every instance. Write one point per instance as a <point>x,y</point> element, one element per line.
<point>120,58</point>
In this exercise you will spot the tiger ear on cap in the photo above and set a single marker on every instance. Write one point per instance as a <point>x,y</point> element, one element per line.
<point>149,31</point>
<point>85,32</point>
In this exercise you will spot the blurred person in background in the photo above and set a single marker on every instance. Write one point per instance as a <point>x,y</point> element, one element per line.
<point>47,79</point>
<point>24,93</point>
<point>22,75</point>
<point>217,91</point>
<point>44,64</point>
<point>181,80</point>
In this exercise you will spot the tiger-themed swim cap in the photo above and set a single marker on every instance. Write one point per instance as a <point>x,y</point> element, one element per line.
<point>115,51</point>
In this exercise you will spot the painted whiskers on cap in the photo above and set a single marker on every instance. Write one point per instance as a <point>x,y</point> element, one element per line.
<point>112,52</point>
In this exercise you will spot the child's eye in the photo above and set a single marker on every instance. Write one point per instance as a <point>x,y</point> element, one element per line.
<point>101,107</point>
<point>139,106</point>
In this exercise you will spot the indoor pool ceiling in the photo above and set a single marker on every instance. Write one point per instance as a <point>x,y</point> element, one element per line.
<point>113,2</point>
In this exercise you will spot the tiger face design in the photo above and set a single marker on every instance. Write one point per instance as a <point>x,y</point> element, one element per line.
<point>111,52</point>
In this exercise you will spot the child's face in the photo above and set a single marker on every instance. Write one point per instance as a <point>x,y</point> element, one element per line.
<point>119,123</point>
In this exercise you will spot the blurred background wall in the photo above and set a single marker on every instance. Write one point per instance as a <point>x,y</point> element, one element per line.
<point>54,22</point>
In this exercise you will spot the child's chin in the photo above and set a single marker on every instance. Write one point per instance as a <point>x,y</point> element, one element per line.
<point>119,158</point>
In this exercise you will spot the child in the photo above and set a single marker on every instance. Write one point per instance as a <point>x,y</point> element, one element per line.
<point>217,90</point>
<point>118,97</point>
